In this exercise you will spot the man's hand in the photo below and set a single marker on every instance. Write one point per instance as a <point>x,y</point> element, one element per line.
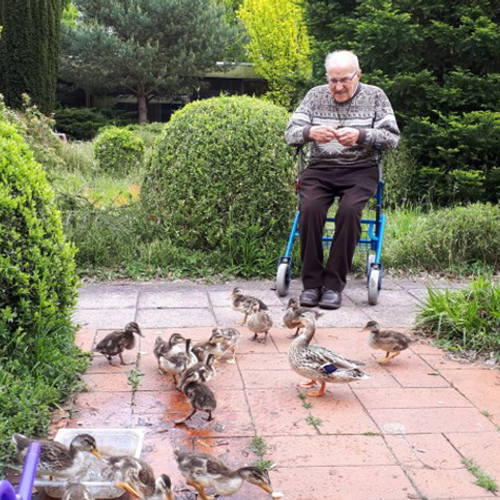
<point>347,136</point>
<point>323,133</point>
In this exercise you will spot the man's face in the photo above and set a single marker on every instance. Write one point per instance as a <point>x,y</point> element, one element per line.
<point>342,81</point>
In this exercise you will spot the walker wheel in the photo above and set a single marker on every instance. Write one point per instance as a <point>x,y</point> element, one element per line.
<point>374,282</point>
<point>370,259</point>
<point>283,279</point>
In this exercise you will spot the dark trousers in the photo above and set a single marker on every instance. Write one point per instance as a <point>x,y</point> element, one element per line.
<point>319,187</point>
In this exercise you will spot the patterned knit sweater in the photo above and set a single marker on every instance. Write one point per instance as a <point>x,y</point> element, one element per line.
<point>369,110</point>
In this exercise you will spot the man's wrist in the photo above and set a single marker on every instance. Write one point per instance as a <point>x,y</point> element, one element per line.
<point>362,136</point>
<point>306,132</point>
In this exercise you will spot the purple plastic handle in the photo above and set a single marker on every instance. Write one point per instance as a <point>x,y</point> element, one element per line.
<point>25,488</point>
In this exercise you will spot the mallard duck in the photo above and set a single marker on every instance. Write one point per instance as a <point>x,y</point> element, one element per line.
<point>137,477</point>
<point>390,341</point>
<point>56,459</point>
<point>319,363</point>
<point>202,470</point>
<point>176,343</point>
<point>175,363</point>
<point>203,371</point>
<point>226,339</point>
<point>242,302</point>
<point>259,321</point>
<point>201,397</point>
<point>114,343</point>
<point>291,319</point>
<point>77,491</point>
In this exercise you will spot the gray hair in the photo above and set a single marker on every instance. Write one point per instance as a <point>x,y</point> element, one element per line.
<point>341,57</point>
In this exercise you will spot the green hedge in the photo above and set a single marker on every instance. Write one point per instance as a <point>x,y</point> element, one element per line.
<point>221,177</point>
<point>118,151</point>
<point>39,363</point>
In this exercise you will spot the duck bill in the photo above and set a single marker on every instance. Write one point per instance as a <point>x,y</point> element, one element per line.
<point>266,487</point>
<point>96,453</point>
<point>169,496</point>
<point>127,487</point>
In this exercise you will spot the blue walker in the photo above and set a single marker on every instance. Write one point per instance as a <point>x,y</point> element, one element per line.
<point>372,236</point>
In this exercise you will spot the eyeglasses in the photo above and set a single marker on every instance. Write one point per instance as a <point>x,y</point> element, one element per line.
<point>342,81</point>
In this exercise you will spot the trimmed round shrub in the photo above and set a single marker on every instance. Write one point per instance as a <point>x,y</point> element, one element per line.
<point>118,151</point>
<point>221,178</point>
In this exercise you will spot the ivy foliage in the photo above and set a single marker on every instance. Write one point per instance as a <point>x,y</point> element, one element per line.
<point>118,151</point>
<point>221,175</point>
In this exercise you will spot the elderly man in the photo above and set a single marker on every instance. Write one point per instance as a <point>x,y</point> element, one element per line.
<point>343,121</point>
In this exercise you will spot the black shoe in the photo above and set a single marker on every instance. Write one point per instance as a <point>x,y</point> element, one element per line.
<point>310,297</point>
<point>330,299</point>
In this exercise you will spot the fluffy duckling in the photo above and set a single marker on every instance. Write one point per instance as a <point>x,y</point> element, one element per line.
<point>114,343</point>
<point>56,459</point>
<point>176,343</point>
<point>203,371</point>
<point>241,302</point>
<point>291,319</point>
<point>319,363</point>
<point>201,397</point>
<point>203,470</point>
<point>259,321</point>
<point>390,341</point>
<point>137,477</point>
<point>227,339</point>
<point>77,491</point>
<point>175,363</point>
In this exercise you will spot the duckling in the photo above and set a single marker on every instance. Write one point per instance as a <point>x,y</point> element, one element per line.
<point>56,459</point>
<point>176,343</point>
<point>390,341</point>
<point>114,343</point>
<point>293,313</point>
<point>259,321</point>
<point>137,477</point>
<point>201,397</point>
<point>242,303</point>
<point>203,470</point>
<point>176,363</point>
<point>319,363</point>
<point>203,371</point>
<point>77,491</point>
<point>226,339</point>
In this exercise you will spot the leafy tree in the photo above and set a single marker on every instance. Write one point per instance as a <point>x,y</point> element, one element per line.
<point>145,46</point>
<point>29,51</point>
<point>279,44</point>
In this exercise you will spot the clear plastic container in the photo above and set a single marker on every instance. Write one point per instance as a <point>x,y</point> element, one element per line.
<point>97,476</point>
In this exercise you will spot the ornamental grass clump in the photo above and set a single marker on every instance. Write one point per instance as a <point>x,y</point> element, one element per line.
<point>118,151</point>
<point>221,179</point>
<point>464,319</point>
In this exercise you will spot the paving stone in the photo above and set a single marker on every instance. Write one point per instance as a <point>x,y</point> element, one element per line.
<point>111,382</point>
<point>482,447</point>
<point>102,297</point>
<point>428,420</point>
<point>103,409</point>
<point>178,318</point>
<point>387,298</point>
<point>425,451</point>
<point>344,483</point>
<point>257,362</point>
<point>182,299</point>
<point>103,318</point>
<point>400,317</point>
<point>479,386</point>
<point>314,451</point>
<point>398,397</point>
<point>221,298</point>
<point>345,317</point>
<point>442,362</point>
<point>84,338</point>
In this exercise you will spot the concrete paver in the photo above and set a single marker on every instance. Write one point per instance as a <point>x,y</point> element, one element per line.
<point>400,435</point>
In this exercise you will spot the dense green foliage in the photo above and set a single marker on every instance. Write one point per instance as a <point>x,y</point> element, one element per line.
<point>29,51</point>
<point>144,46</point>
<point>450,240</point>
<point>221,177</point>
<point>438,62</point>
<point>118,151</point>
<point>39,363</point>
<point>464,319</point>
<point>80,123</point>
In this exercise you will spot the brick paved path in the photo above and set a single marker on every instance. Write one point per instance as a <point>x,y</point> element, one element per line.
<point>401,435</point>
